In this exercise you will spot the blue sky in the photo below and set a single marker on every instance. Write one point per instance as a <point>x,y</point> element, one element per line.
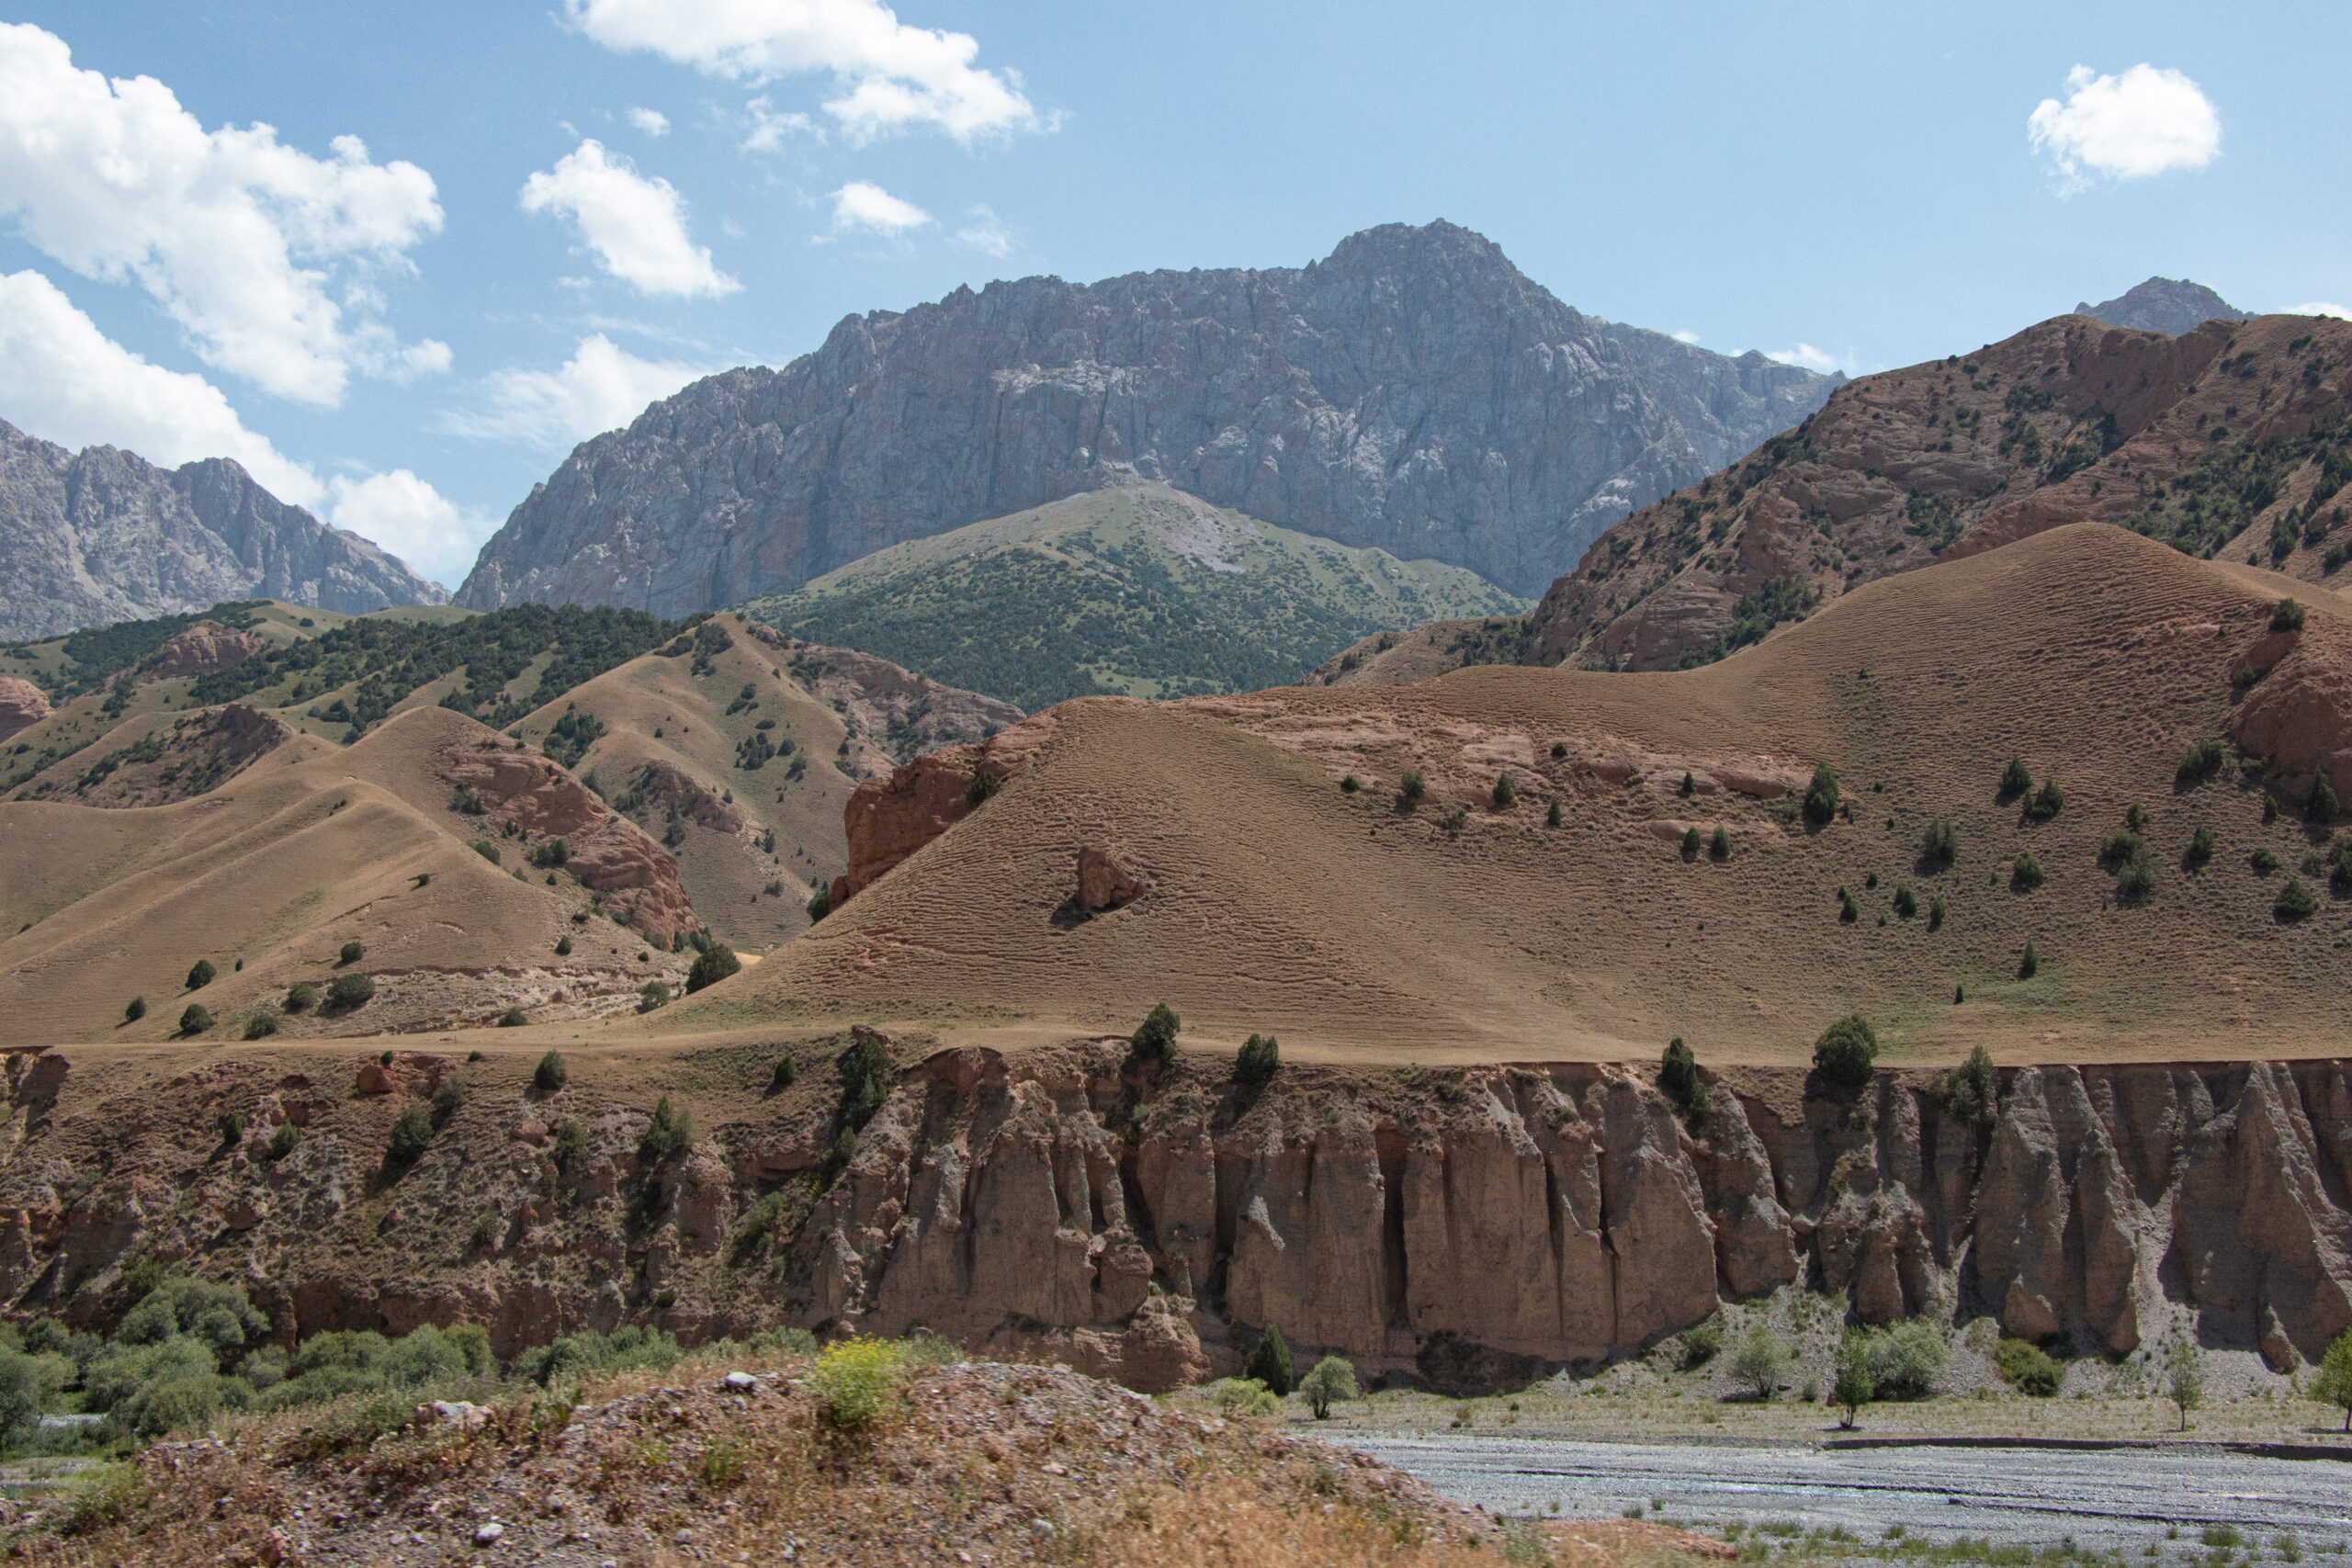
<point>406,337</point>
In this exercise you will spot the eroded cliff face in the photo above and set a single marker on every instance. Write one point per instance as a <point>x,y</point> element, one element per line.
<point>1466,1229</point>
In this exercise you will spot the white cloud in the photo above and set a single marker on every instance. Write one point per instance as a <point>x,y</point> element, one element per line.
<point>861,204</point>
<point>1685,336</point>
<point>1805,357</point>
<point>987,232</point>
<point>2128,126</point>
<point>637,226</point>
<point>2319,308</point>
<point>241,239</point>
<point>600,388</point>
<point>770,126</point>
<point>64,380</point>
<point>653,122</point>
<point>412,520</point>
<point>890,75</point>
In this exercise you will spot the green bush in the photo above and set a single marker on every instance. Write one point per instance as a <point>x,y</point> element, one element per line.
<point>2029,1369</point>
<point>1907,1359</point>
<point>512,1017</point>
<point>351,990</point>
<point>1504,792</point>
<point>1937,910</point>
<point>864,1074</point>
<point>411,1135</point>
<point>1691,843</point>
<point>282,1141</point>
<point>786,1072</point>
<point>1760,1362</point>
<point>1261,1059</point>
<point>2334,1385</point>
<point>571,1145</point>
<point>1719,847</point>
<point>485,849</point>
<point>859,1381</point>
<point>1350,784</point>
<point>1702,1343</point>
<point>2287,616</point>
<point>575,1356</point>
<point>301,996</point>
<point>2264,861</point>
<point>1906,903</point>
<point>136,1011</point>
<point>2014,779</point>
<point>1848,912</point>
<point>1269,1363</point>
<point>668,1134</point>
<point>1972,1091</point>
<point>551,1073</point>
<point>1821,797</point>
<point>351,952</point>
<point>563,947</point>
<point>1844,1053</point>
<point>200,973</point>
<point>982,789</point>
<point>2202,762</point>
<point>1330,1381</point>
<point>194,1019</point>
<point>2199,853</point>
<point>259,1026</point>
<point>2322,807</point>
<point>554,853</point>
<point>1939,846</point>
<point>2030,964</point>
<point>820,903</point>
<point>711,966</point>
<point>1413,785</point>
<point>651,995</point>
<point>2295,901</point>
<point>2047,802</point>
<point>1552,815</point>
<point>1855,1386</point>
<point>1236,1398</point>
<point>1155,1038</point>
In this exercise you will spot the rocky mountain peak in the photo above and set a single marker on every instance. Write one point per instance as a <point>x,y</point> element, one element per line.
<point>2172,305</point>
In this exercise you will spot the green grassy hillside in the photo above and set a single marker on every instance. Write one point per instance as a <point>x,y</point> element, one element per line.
<point>1138,590</point>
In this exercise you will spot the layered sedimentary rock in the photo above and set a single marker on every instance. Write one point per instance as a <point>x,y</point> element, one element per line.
<point>1413,391</point>
<point>101,535</point>
<point>1470,1228</point>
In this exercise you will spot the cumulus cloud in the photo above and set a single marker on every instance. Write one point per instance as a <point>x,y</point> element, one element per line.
<point>889,76</point>
<point>64,380</point>
<point>412,520</point>
<point>861,204</point>
<point>1805,357</point>
<point>986,232</point>
<point>653,122</point>
<point>636,227</point>
<point>600,388</point>
<point>771,127</point>
<point>2319,308</point>
<point>2142,122</point>
<point>245,242</point>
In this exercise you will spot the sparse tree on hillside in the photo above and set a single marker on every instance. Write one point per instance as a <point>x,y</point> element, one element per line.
<point>1678,1080</point>
<point>1330,1381</point>
<point>1269,1363</point>
<point>1760,1362</point>
<point>1691,843</point>
<point>194,1019</point>
<point>1844,1051</point>
<point>2295,902</point>
<point>551,1073</point>
<point>711,966</point>
<point>351,990</point>
<point>669,1133</point>
<point>1504,792</point>
<point>2287,616</point>
<point>136,1011</point>
<point>2030,964</point>
<point>200,973</point>
<point>2324,807</point>
<point>412,1135</point>
<point>2185,1377</point>
<point>352,953</point>
<point>1719,847</point>
<point>1855,1386</point>
<point>2334,1385</point>
<point>1261,1059</point>
<point>2014,779</point>
<point>1821,798</point>
<point>1940,847</point>
<point>1155,1038</point>
<point>2048,801</point>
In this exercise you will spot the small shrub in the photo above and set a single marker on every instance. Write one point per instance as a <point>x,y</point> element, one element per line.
<point>1690,786</point>
<point>1691,843</point>
<point>2184,1363</point>
<point>2322,807</point>
<point>233,1130</point>
<point>2030,964</point>
<point>1760,1362</point>
<point>194,1019</point>
<point>1504,792</point>
<point>668,1134</point>
<point>1269,1363</point>
<point>1559,750</point>
<point>2029,1369</point>
<point>1702,1343</point>
<point>982,789</point>
<point>449,1100</point>
<point>1935,912</point>
<point>551,1073</point>
<point>472,1057</point>
<point>2287,616</point>
<point>411,1135</point>
<point>2136,881</point>
<point>1972,1091</point>
<point>301,996</point>
<point>2264,861</point>
<point>2014,779</point>
<point>1350,785</point>
<point>2334,1385</point>
<point>1906,903</point>
<point>1261,1059</point>
<point>1678,1079</point>
<point>1821,797</point>
<point>2048,801</point>
<point>1855,1386</point>
<point>351,990</point>
<point>1907,1359</point>
<point>859,1381</point>
<point>1235,1398</point>
<point>651,995</point>
<point>2202,762</point>
<point>2199,853</point>
<point>1940,847</point>
<point>2295,902</point>
<point>711,966</point>
<point>563,947</point>
<point>485,849</point>
<point>282,1141</point>
<point>2026,872</point>
<point>1552,816</point>
<point>1719,847</point>
<point>352,953</point>
<point>1847,913</point>
<point>787,1071</point>
<point>512,1017</point>
<point>200,975</point>
<point>571,1145</point>
<point>259,1026</point>
<point>554,853</point>
<point>1413,785</point>
<point>1155,1038</point>
<point>1330,1381</point>
<point>1844,1053</point>
<point>136,1011</point>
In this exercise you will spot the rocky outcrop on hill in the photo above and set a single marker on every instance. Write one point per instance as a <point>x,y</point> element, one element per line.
<point>101,535</point>
<point>1413,391</point>
<point>1468,1228</point>
<point>2229,441</point>
<point>895,709</point>
<point>2165,305</point>
<point>890,817</point>
<point>199,651</point>
<point>563,824</point>
<point>22,705</point>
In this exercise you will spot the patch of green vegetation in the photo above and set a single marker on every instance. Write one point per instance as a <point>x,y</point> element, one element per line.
<point>1778,599</point>
<point>2201,511</point>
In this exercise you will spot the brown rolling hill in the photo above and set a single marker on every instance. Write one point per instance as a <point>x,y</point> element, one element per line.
<point>2229,441</point>
<point>1360,926</point>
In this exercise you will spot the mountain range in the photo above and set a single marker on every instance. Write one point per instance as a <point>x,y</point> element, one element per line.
<point>102,536</point>
<point>1413,391</point>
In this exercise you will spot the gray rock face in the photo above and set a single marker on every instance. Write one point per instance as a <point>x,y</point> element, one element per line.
<point>101,535</point>
<point>2165,305</point>
<point>1412,392</point>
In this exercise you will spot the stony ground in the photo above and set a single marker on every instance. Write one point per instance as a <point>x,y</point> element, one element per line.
<point>983,1464</point>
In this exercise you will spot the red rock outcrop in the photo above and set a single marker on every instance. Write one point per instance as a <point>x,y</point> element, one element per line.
<point>603,850</point>
<point>1103,880</point>
<point>200,649</point>
<point>22,705</point>
<point>889,819</point>
<point>2299,714</point>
